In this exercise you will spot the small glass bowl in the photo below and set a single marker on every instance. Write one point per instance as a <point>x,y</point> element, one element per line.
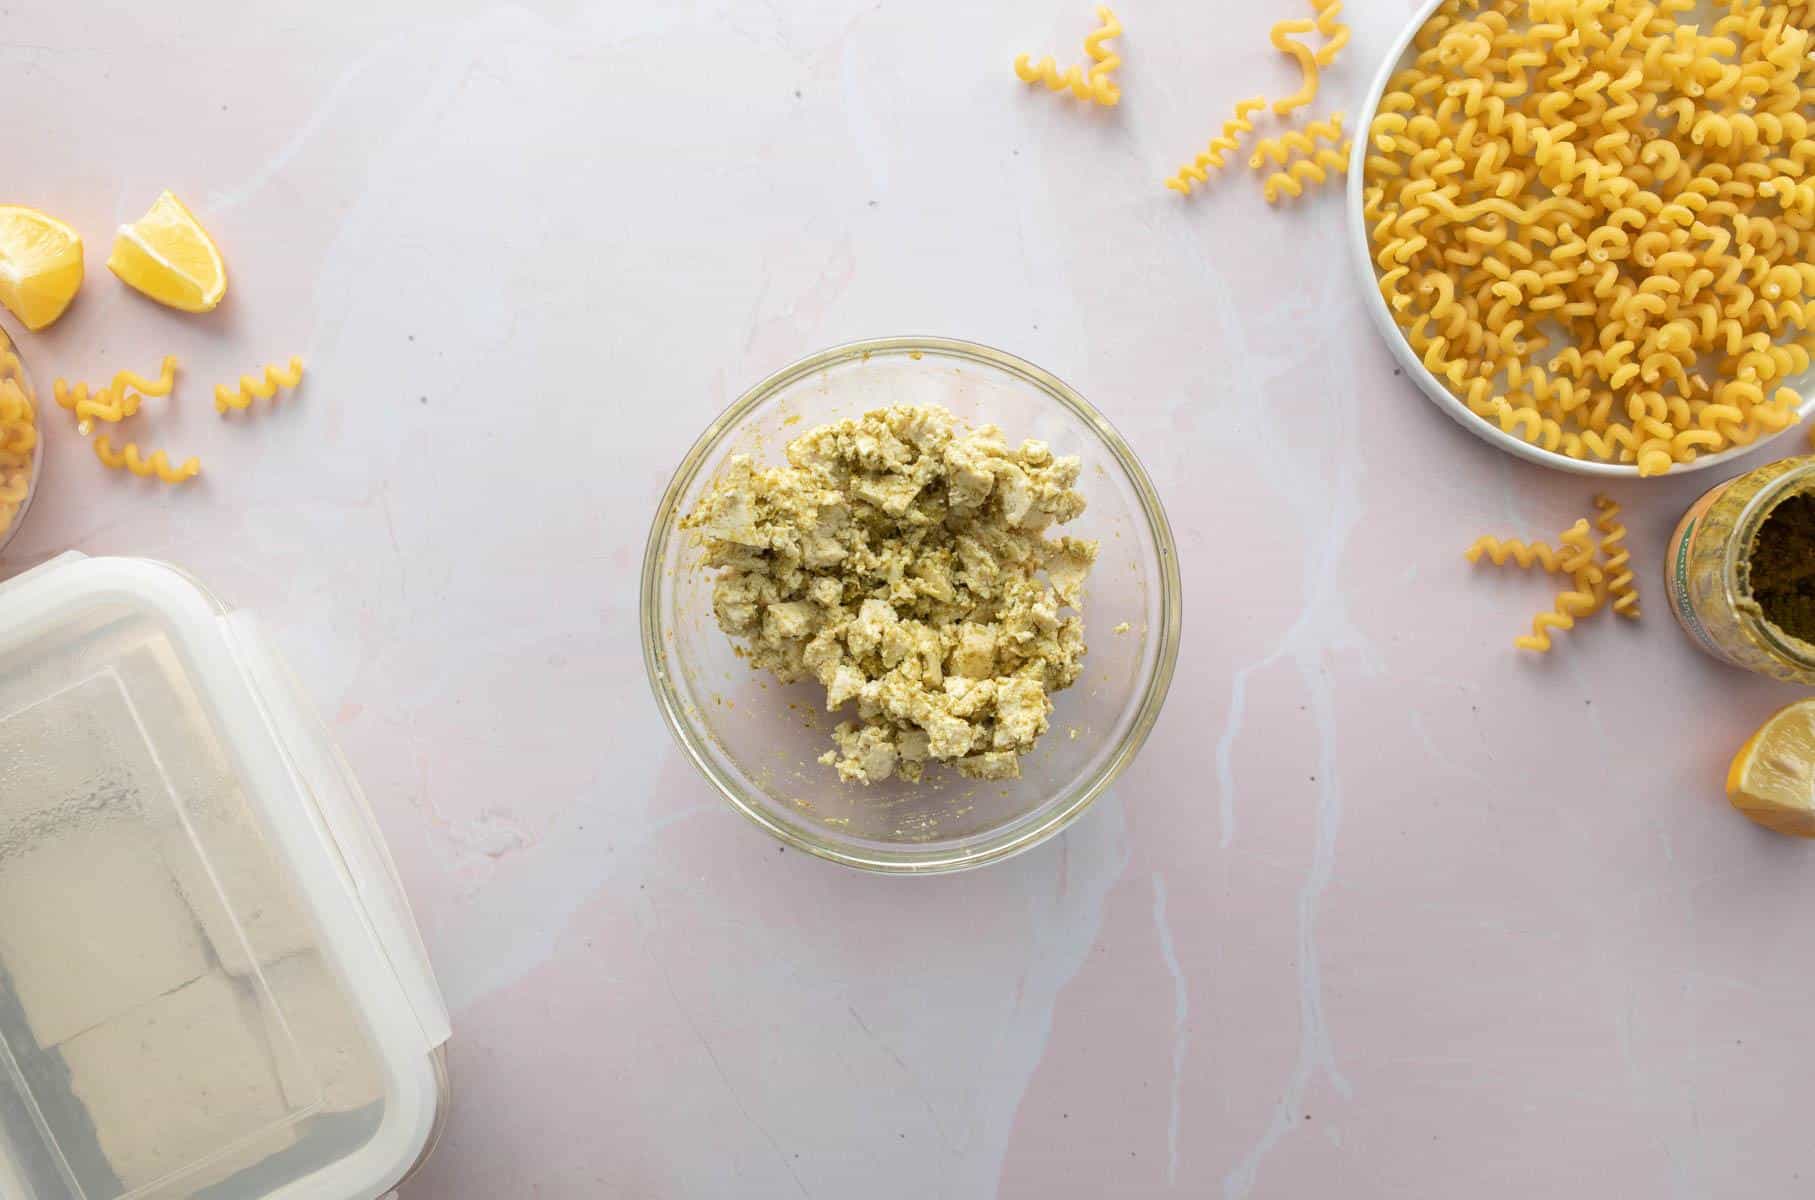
<point>758,741</point>
<point>12,366</point>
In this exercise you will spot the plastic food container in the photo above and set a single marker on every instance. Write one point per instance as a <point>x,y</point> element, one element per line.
<point>211,985</point>
<point>1707,572</point>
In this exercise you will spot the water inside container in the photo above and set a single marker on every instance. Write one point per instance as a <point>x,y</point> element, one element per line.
<point>169,1023</point>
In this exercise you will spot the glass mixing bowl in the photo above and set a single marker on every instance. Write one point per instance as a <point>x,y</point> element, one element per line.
<point>759,742</point>
<point>12,370</point>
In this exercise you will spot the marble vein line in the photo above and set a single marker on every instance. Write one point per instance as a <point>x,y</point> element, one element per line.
<point>1320,629</point>
<point>1181,1008</point>
<point>221,202</point>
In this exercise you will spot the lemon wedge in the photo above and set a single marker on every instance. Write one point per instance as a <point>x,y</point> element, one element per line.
<point>40,265</point>
<point>1772,779</point>
<point>169,256</point>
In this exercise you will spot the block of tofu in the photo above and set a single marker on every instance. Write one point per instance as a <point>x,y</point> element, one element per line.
<point>74,754</point>
<point>240,879</point>
<point>92,926</point>
<point>320,1047</point>
<point>185,1084</point>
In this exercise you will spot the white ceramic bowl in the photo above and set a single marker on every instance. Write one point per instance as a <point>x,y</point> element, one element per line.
<point>1362,255</point>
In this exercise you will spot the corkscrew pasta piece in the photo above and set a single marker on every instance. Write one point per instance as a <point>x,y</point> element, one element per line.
<point>1313,170</point>
<point>1280,35</point>
<point>1616,559</point>
<point>1212,155</point>
<point>1580,600</point>
<point>158,464</point>
<point>1590,583</point>
<point>1281,148</point>
<point>1619,194</point>
<point>1104,60</point>
<point>118,400</point>
<point>1329,23</point>
<point>258,387</point>
<point>1096,85</point>
<point>1526,555</point>
<point>103,405</point>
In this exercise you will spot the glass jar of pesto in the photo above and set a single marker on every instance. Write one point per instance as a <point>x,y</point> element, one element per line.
<point>1740,571</point>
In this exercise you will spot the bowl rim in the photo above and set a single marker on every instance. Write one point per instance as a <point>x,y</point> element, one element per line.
<point>1363,260</point>
<point>38,416</point>
<point>1171,596</point>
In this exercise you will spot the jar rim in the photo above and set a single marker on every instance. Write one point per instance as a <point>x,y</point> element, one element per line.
<point>1736,562</point>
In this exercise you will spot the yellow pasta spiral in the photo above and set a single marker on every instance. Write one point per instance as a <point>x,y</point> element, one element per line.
<point>1106,60</point>
<point>254,386</point>
<point>1313,170</point>
<point>1329,23</point>
<point>118,400</point>
<point>1279,35</point>
<point>1525,554</point>
<point>1047,71</point>
<point>1616,559</point>
<point>1212,155</point>
<point>158,464</point>
<point>1283,147</point>
<point>1096,85</point>
<point>1571,604</point>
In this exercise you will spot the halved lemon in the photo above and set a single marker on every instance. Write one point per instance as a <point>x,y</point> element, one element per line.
<point>40,265</point>
<point>1772,779</point>
<point>169,256</point>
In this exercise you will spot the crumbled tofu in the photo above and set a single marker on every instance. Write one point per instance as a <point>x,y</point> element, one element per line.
<point>903,564</point>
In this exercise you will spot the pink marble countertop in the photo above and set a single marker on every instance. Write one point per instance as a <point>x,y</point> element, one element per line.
<point>1384,908</point>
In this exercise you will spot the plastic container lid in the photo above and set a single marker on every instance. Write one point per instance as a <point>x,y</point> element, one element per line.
<point>210,981</point>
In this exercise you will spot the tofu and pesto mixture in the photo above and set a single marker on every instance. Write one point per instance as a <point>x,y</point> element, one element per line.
<point>905,563</point>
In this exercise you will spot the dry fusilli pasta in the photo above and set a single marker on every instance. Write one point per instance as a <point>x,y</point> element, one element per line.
<point>1212,155</point>
<point>1616,559</point>
<point>1588,219</point>
<point>260,387</point>
<point>158,464</point>
<point>1280,35</point>
<point>1098,83</point>
<point>118,400</point>
<point>1314,170</point>
<point>1293,141</point>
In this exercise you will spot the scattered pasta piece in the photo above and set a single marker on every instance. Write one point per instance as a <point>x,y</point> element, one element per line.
<point>258,387</point>
<point>98,406</point>
<point>1314,170</point>
<point>1588,219</point>
<point>1104,60</point>
<point>1524,554</point>
<point>1583,599</point>
<point>1283,147</point>
<point>118,400</point>
<point>1307,63</point>
<point>1212,155</point>
<point>158,464</point>
<point>1329,23</point>
<point>1616,559</point>
<point>1591,584</point>
<point>1096,85</point>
